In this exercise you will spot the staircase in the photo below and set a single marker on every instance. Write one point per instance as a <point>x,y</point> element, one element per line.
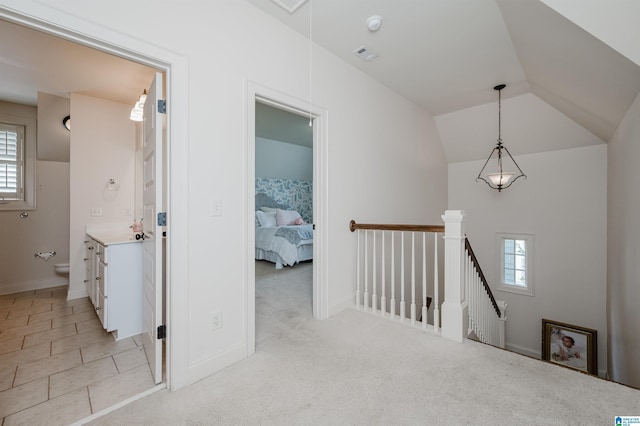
<point>398,272</point>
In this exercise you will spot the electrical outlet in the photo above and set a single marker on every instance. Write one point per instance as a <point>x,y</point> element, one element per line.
<point>96,211</point>
<point>216,320</point>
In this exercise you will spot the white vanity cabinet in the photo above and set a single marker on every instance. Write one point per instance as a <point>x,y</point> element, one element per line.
<point>118,292</point>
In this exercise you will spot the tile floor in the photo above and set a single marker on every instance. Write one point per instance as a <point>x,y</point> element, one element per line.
<point>58,365</point>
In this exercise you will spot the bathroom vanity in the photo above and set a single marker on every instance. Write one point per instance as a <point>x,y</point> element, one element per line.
<point>115,282</point>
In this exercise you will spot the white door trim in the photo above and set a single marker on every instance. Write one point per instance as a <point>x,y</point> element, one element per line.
<point>256,91</point>
<point>54,21</point>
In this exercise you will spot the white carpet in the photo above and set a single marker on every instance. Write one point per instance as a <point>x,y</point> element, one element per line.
<point>357,369</point>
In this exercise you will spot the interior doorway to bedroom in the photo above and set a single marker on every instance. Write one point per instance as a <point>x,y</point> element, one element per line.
<point>284,220</point>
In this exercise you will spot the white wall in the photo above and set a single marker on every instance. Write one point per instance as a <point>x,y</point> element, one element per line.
<point>563,203</point>
<point>47,226</point>
<point>102,147</point>
<point>281,160</point>
<point>45,229</point>
<point>385,162</point>
<point>624,256</point>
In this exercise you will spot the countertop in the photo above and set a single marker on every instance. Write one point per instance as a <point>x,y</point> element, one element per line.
<point>108,238</point>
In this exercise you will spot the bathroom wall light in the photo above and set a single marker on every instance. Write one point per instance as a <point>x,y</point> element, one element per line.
<point>138,108</point>
<point>66,122</point>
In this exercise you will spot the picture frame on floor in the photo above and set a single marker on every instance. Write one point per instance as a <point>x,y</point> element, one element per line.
<point>570,345</point>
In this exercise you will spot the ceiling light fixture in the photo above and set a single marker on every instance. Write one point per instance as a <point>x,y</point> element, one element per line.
<point>374,23</point>
<point>138,108</point>
<point>66,122</point>
<point>500,179</point>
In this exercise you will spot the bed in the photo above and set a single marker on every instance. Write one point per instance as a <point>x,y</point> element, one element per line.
<point>281,238</point>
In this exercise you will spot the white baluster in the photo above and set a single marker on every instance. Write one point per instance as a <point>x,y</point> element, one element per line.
<point>402,307</point>
<point>436,286</point>
<point>413,278</point>
<point>374,296</point>
<point>424,280</point>
<point>358,266</point>
<point>383,299</point>
<point>392,302</point>
<point>366,270</point>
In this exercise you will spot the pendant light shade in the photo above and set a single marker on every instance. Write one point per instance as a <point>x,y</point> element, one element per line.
<point>506,169</point>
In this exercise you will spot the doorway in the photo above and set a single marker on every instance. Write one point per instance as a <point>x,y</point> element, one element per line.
<point>175,69</point>
<point>284,219</point>
<point>318,118</point>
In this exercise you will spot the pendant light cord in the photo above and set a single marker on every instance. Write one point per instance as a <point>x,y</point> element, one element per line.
<point>500,116</point>
<point>310,58</point>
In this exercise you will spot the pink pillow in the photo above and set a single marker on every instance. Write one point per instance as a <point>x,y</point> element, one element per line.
<point>287,217</point>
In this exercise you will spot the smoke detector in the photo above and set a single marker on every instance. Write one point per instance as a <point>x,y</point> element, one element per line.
<point>374,23</point>
<point>290,5</point>
<point>365,54</point>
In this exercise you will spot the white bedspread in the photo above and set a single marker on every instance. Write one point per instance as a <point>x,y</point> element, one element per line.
<point>267,240</point>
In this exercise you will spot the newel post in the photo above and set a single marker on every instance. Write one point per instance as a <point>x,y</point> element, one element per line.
<point>455,318</point>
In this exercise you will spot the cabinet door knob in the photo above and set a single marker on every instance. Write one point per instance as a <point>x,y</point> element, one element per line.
<point>86,281</point>
<point>98,308</point>
<point>98,278</point>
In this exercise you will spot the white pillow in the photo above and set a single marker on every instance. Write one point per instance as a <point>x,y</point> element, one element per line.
<point>266,219</point>
<point>267,209</point>
<point>286,217</point>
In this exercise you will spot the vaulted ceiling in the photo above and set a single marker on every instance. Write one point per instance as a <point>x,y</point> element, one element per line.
<point>448,55</point>
<point>445,56</point>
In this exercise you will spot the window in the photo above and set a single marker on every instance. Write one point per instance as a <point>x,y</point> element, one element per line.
<point>515,258</point>
<point>17,162</point>
<point>11,162</point>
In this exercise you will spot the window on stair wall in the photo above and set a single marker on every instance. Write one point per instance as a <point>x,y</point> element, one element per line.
<point>515,262</point>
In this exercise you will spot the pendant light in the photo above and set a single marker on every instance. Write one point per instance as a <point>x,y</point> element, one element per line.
<point>503,177</point>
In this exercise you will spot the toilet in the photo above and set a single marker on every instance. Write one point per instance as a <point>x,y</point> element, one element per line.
<point>62,268</point>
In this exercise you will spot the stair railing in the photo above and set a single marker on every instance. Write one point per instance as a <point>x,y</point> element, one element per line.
<point>486,314</point>
<point>388,278</point>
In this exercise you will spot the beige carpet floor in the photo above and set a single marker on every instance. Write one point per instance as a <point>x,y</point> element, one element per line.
<point>359,369</point>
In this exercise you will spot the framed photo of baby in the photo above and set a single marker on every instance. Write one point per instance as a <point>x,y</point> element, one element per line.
<point>569,345</point>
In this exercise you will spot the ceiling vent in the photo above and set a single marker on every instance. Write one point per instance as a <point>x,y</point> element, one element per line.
<point>290,5</point>
<point>365,54</point>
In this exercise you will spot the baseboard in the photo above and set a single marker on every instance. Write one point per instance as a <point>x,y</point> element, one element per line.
<point>341,305</point>
<point>524,351</point>
<point>538,355</point>
<point>33,285</point>
<point>214,363</point>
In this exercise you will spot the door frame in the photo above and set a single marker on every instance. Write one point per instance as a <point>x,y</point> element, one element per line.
<point>278,99</point>
<point>58,23</point>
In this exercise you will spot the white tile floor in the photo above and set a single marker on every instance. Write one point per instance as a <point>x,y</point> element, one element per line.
<point>58,365</point>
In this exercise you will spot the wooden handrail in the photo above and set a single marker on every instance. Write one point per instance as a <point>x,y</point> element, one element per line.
<point>388,227</point>
<point>476,265</point>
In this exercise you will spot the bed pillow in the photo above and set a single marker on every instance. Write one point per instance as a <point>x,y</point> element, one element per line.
<point>266,219</point>
<point>268,209</point>
<point>287,217</point>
